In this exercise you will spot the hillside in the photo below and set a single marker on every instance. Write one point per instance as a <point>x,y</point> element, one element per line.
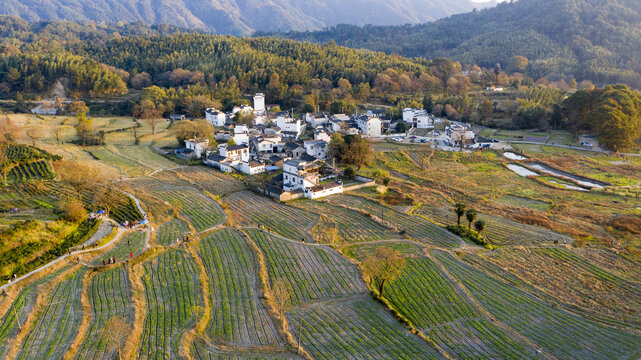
<point>588,39</point>
<point>242,17</point>
<point>223,272</point>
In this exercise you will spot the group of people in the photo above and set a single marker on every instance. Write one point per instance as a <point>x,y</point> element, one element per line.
<point>13,210</point>
<point>111,260</point>
<point>13,278</point>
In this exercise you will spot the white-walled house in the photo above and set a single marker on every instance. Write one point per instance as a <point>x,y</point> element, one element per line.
<point>290,126</point>
<point>316,148</point>
<point>198,146</point>
<point>425,121</point>
<point>235,153</point>
<point>300,174</point>
<point>245,110</point>
<point>315,120</point>
<point>251,168</point>
<point>370,126</point>
<point>241,135</point>
<point>215,117</point>
<point>322,134</point>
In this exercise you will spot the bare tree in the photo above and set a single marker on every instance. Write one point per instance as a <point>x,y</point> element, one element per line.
<point>9,130</point>
<point>57,133</point>
<point>34,134</point>
<point>384,266</point>
<point>107,198</point>
<point>116,330</point>
<point>282,296</point>
<point>80,177</point>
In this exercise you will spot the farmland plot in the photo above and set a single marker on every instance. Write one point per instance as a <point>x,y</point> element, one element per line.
<point>361,251</point>
<point>424,295</point>
<point>201,211</point>
<point>174,297</point>
<point>568,278</point>
<point>564,335</point>
<point>23,304</point>
<point>110,296</point>
<point>352,226</point>
<point>210,180</point>
<point>202,351</point>
<point>170,231</point>
<point>498,231</point>
<point>355,329</point>
<point>56,327</point>
<point>238,319</point>
<point>288,221</point>
<point>131,243</point>
<point>313,273</point>
<point>417,228</point>
<point>36,170</point>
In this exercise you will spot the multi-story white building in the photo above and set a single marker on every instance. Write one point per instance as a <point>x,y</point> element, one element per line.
<point>303,175</point>
<point>290,126</point>
<point>241,135</point>
<point>259,105</point>
<point>215,117</point>
<point>370,126</point>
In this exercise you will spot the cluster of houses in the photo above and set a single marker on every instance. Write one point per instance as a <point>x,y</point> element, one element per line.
<point>274,141</point>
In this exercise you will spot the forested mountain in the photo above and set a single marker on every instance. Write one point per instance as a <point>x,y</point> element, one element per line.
<point>242,17</point>
<point>587,39</point>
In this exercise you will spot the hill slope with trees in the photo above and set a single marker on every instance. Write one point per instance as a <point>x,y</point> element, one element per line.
<point>242,17</point>
<point>587,39</point>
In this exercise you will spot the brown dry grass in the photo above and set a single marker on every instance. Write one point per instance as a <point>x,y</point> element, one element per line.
<point>569,282</point>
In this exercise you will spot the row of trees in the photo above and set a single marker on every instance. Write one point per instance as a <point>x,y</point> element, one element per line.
<point>470,215</point>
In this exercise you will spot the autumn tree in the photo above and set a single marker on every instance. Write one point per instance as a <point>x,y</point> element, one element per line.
<point>83,127</point>
<point>9,130</point>
<point>107,198</point>
<point>116,331</point>
<point>34,133</point>
<point>72,210</point>
<point>519,64</point>
<point>78,107</point>
<point>185,130</point>
<point>80,177</point>
<point>196,105</point>
<point>57,133</point>
<point>384,266</point>
<point>281,295</point>
<point>149,113</point>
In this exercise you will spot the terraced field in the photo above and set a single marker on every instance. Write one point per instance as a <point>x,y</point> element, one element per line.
<point>21,306</point>
<point>352,226</point>
<point>202,351</point>
<point>564,335</point>
<point>417,228</point>
<point>355,329</point>
<point>441,311</point>
<point>56,327</point>
<point>583,284</point>
<point>239,318</point>
<point>209,180</point>
<point>202,212</point>
<point>313,273</point>
<point>174,303</point>
<point>37,170</point>
<point>253,210</point>
<point>132,243</point>
<point>110,297</point>
<point>498,231</point>
<point>171,231</point>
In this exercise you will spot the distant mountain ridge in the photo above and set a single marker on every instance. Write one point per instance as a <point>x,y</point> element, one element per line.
<point>242,17</point>
<point>598,40</point>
